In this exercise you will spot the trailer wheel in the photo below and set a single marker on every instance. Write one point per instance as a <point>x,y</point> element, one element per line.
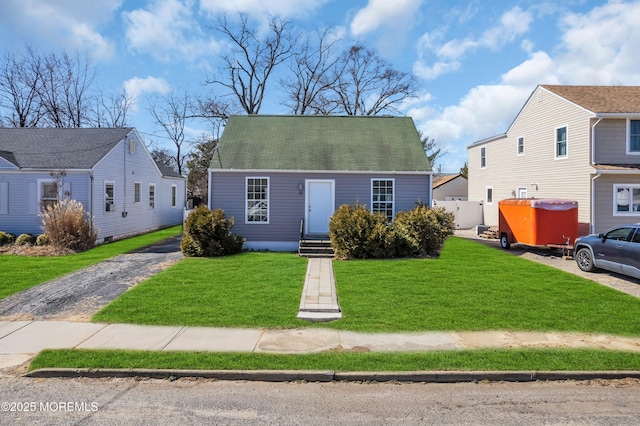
<point>504,241</point>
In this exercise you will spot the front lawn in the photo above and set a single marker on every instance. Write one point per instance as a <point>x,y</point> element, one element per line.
<point>470,287</point>
<point>22,272</point>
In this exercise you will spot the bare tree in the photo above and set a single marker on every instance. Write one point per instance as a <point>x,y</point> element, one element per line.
<point>431,148</point>
<point>368,85</point>
<point>313,69</point>
<point>111,110</point>
<point>171,113</point>
<point>250,64</point>
<point>65,96</point>
<point>20,84</point>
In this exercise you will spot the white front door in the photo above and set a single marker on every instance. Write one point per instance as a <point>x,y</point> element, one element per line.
<point>320,205</point>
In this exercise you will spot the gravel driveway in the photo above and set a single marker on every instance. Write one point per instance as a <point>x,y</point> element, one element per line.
<point>76,297</point>
<point>554,258</point>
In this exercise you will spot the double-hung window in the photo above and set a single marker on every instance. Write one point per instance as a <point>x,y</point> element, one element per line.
<point>109,197</point>
<point>561,142</point>
<point>382,198</point>
<point>136,192</point>
<point>634,137</point>
<point>152,195</point>
<point>174,195</point>
<point>626,199</point>
<point>257,200</point>
<point>48,194</point>
<point>483,157</point>
<point>520,148</point>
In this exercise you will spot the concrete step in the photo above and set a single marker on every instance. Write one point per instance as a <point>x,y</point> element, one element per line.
<point>315,248</point>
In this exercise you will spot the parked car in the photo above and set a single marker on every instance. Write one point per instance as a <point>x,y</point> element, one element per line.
<point>617,250</point>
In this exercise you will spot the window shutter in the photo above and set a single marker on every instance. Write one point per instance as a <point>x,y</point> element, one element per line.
<point>33,198</point>
<point>4,197</point>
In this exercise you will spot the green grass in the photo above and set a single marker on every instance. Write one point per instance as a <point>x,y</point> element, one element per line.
<point>470,287</point>
<point>479,360</point>
<point>253,289</point>
<point>22,272</point>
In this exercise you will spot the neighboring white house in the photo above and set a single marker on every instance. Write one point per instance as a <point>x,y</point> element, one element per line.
<point>573,142</point>
<point>110,171</point>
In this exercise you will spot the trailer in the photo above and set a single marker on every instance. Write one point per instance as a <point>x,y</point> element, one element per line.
<point>549,222</point>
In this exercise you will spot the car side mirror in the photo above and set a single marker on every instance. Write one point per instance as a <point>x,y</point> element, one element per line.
<point>602,236</point>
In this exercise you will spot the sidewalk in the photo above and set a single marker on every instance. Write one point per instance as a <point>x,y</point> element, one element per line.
<point>21,340</point>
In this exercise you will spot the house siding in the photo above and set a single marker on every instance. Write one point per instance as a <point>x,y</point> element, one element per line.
<point>538,170</point>
<point>23,215</point>
<point>286,204</point>
<point>133,167</point>
<point>611,142</point>
<point>605,217</point>
<point>456,188</point>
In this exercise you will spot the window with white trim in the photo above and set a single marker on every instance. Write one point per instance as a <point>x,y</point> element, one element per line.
<point>109,197</point>
<point>626,200</point>
<point>152,195</point>
<point>483,157</point>
<point>489,195</point>
<point>257,206</point>
<point>382,199</point>
<point>48,194</point>
<point>562,143</point>
<point>174,195</point>
<point>136,192</point>
<point>520,145</point>
<point>633,146</point>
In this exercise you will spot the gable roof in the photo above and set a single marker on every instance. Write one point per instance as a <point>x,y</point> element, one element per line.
<point>443,179</point>
<point>601,99</point>
<point>56,148</point>
<point>328,143</point>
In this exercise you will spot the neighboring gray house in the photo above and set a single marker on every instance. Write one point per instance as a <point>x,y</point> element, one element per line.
<point>450,187</point>
<point>574,142</point>
<point>283,176</point>
<point>110,171</point>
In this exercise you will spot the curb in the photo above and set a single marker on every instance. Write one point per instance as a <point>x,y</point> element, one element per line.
<point>329,376</point>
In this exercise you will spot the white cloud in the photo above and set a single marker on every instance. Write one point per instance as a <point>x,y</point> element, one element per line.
<point>66,24</point>
<point>601,47</point>
<point>513,24</point>
<point>261,8</point>
<point>136,87</point>
<point>397,15</point>
<point>168,30</point>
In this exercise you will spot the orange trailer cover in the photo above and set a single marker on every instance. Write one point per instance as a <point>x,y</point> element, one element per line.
<point>539,222</point>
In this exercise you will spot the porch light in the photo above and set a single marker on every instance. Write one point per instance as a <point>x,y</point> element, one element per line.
<point>300,188</point>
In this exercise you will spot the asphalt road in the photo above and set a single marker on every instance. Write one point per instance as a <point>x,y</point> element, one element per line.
<point>160,402</point>
<point>76,297</point>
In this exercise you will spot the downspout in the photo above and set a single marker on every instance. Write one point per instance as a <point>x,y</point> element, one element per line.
<point>593,180</point>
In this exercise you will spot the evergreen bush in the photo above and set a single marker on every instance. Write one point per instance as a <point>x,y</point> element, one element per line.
<point>208,234</point>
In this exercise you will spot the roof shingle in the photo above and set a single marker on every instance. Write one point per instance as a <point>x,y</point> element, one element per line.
<point>601,99</point>
<point>55,148</point>
<point>331,143</point>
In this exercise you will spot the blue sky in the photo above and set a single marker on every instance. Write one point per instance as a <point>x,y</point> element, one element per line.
<point>476,61</point>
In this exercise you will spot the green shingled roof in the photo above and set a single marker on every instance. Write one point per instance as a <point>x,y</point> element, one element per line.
<point>303,142</point>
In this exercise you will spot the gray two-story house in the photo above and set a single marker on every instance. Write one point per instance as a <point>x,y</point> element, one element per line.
<point>573,142</point>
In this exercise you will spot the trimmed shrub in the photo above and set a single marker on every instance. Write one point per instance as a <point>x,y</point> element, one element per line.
<point>6,238</point>
<point>424,229</point>
<point>25,240</point>
<point>356,233</point>
<point>42,240</point>
<point>68,226</point>
<point>208,234</point>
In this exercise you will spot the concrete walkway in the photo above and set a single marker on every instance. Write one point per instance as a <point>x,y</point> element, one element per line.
<point>319,301</point>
